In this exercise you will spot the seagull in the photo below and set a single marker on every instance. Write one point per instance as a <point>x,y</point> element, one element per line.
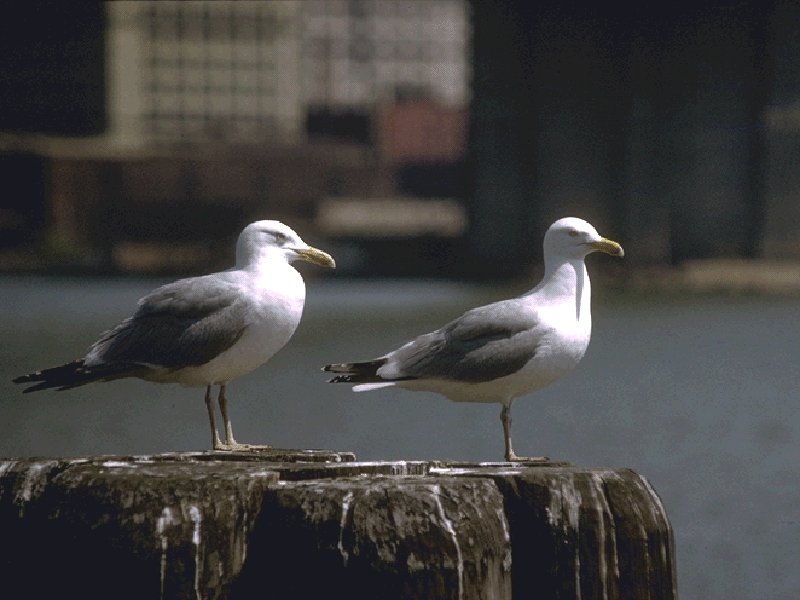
<point>205,331</point>
<point>498,352</point>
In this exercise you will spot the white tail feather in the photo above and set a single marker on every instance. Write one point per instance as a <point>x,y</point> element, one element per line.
<point>366,387</point>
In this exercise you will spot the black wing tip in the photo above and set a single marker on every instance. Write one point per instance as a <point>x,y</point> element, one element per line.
<point>39,382</point>
<point>356,367</point>
<point>358,372</point>
<point>37,376</point>
<point>366,379</point>
<point>71,375</point>
<point>35,388</point>
<point>37,379</point>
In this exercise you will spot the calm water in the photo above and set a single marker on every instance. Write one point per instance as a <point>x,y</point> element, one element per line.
<point>702,396</point>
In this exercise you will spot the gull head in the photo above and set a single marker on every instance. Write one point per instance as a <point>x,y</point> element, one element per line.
<point>571,237</point>
<point>269,240</point>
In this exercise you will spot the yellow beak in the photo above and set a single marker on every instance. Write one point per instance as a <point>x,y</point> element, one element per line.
<point>608,246</point>
<point>316,256</point>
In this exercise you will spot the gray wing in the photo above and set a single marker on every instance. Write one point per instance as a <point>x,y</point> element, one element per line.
<point>483,344</point>
<point>185,323</point>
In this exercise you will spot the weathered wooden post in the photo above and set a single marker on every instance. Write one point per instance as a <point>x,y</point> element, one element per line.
<point>310,524</point>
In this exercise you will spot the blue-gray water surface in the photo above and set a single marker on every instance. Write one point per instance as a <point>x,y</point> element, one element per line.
<point>700,395</point>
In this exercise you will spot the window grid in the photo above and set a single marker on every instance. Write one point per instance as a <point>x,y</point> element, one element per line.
<point>209,70</point>
<point>362,52</point>
<point>219,68</point>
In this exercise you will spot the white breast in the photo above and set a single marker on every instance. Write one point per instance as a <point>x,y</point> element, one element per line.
<point>274,315</point>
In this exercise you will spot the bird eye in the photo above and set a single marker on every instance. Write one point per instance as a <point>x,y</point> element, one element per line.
<point>281,237</point>
<point>573,233</point>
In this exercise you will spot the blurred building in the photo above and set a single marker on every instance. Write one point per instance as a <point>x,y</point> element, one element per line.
<point>259,72</point>
<point>675,130</point>
<point>204,71</point>
<point>357,53</point>
<point>237,110</point>
<point>673,127</point>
